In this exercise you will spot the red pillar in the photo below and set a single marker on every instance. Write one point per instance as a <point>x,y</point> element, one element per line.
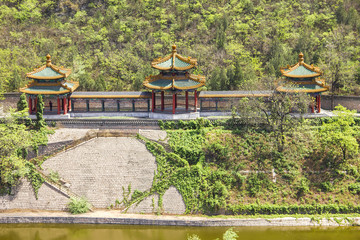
<point>30,105</point>
<point>318,103</point>
<point>175,100</point>
<point>162,101</point>
<point>173,105</point>
<point>58,105</point>
<point>153,101</point>
<point>186,100</point>
<point>35,104</point>
<point>65,107</point>
<point>69,103</point>
<point>195,96</point>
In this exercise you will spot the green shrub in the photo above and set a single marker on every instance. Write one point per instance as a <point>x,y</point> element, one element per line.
<point>354,188</point>
<point>327,186</point>
<point>78,205</point>
<point>256,182</point>
<point>303,187</point>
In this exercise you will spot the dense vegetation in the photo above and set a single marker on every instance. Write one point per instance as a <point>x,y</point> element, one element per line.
<point>229,167</point>
<point>239,44</point>
<point>18,136</point>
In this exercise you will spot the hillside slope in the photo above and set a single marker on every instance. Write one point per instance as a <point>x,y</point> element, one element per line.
<point>239,44</point>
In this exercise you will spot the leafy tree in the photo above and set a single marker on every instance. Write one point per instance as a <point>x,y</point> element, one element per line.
<point>14,140</point>
<point>40,122</point>
<point>276,113</point>
<point>22,103</point>
<point>337,138</point>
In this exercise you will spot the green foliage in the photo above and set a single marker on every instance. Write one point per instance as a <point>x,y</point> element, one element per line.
<point>302,187</point>
<point>230,234</point>
<point>256,182</point>
<point>354,188</point>
<point>187,144</point>
<point>240,41</point>
<point>191,125</point>
<point>15,140</point>
<point>35,178</point>
<point>241,171</point>
<point>40,121</point>
<point>275,114</point>
<point>54,176</point>
<point>78,205</point>
<point>271,209</point>
<point>22,103</point>
<point>337,138</point>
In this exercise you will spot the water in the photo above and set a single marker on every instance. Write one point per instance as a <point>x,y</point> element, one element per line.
<point>110,232</point>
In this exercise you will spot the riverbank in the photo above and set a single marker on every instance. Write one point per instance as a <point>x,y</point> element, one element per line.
<point>116,217</point>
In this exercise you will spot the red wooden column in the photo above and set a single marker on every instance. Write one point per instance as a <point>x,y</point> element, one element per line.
<point>195,96</point>
<point>173,105</point>
<point>30,105</point>
<point>186,100</point>
<point>152,101</point>
<point>69,103</point>
<point>58,105</point>
<point>162,101</point>
<point>175,100</point>
<point>35,104</point>
<point>318,103</point>
<point>65,107</point>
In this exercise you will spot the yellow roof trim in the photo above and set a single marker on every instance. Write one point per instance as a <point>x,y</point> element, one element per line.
<point>280,89</point>
<point>43,92</point>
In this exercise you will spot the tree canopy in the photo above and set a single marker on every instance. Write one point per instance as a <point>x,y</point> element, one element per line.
<point>109,44</point>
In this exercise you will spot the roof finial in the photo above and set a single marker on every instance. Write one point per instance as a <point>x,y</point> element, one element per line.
<point>48,60</point>
<point>174,48</point>
<point>301,57</point>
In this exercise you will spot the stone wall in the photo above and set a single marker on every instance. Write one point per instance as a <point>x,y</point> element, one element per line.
<point>10,100</point>
<point>351,102</point>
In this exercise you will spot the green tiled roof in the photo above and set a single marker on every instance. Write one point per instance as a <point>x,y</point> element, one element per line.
<point>185,83</point>
<point>47,72</point>
<point>166,64</point>
<point>53,89</point>
<point>301,71</point>
<point>180,63</point>
<point>161,83</point>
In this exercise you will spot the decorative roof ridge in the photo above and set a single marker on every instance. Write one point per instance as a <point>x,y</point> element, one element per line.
<point>173,55</point>
<point>301,62</point>
<point>53,67</point>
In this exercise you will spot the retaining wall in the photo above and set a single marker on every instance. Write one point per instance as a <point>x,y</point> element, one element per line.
<point>124,219</point>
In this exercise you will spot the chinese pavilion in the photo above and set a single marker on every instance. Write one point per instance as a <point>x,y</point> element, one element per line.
<point>302,77</point>
<point>50,81</point>
<point>174,78</point>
